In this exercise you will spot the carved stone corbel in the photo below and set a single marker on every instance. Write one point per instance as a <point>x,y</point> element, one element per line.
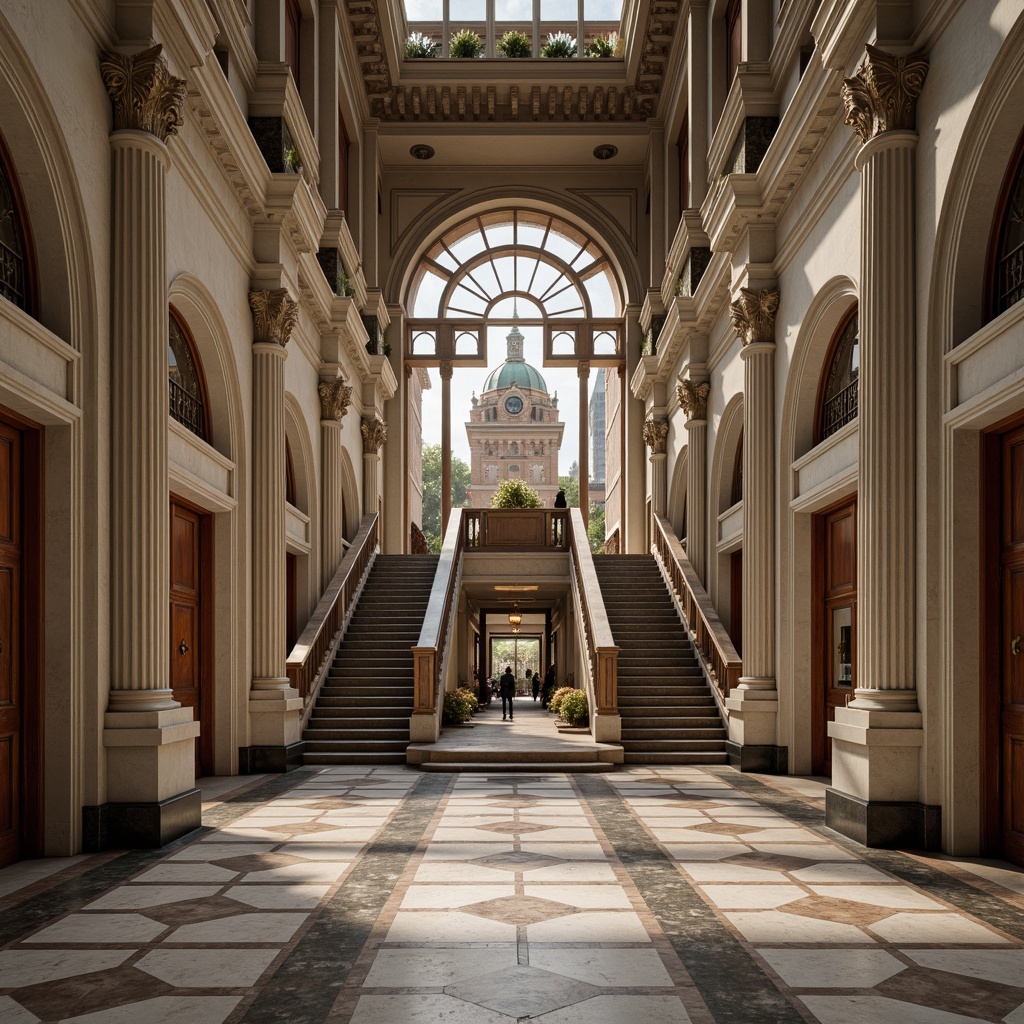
<point>335,398</point>
<point>274,315</point>
<point>144,94</point>
<point>882,94</point>
<point>375,435</point>
<point>656,435</point>
<point>694,399</point>
<point>753,315</point>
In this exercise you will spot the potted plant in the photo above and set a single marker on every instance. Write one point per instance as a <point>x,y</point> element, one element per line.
<point>515,44</point>
<point>573,709</point>
<point>419,45</point>
<point>559,44</point>
<point>603,46</point>
<point>465,43</point>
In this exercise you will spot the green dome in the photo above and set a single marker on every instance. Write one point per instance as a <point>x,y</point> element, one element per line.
<point>515,371</point>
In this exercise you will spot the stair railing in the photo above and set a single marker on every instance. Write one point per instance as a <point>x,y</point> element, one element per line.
<point>310,658</point>
<point>602,659</point>
<point>721,659</point>
<point>430,655</point>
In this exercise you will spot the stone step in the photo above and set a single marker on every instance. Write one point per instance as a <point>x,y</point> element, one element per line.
<point>667,746</point>
<point>363,713</point>
<point>352,757</point>
<point>379,736</point>
<point>675,757</point>
<point>384,723</point>
<point>364,703</point>
<point>366,746</point>
<point>681,736</point>
<point>422,754</point>
<point>494,767</point>
<point>367,690</point>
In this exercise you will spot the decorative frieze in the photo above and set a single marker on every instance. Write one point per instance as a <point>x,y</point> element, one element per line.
<point>375,435</point>
<point>882,94</point>
<point>753,315</point>
<point>693,398</point>
<point>335,398</point>
<point>145,95</point>
<point>274,315</point>
<point>656,435</point>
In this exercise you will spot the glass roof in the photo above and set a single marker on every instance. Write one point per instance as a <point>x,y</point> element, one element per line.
<point>583,20</point>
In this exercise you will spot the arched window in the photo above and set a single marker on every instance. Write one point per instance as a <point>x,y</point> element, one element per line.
<point>1008,263</point>
<point>17,277</point>
<point>837,403</point>
<point>187,389</point>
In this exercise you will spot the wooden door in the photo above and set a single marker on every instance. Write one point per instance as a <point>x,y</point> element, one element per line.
<point>189,639</point>
<point>1011,716</point>
<point>12,695</point>
<point>834,630</point>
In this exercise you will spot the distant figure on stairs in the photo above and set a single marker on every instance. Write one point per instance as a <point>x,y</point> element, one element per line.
<point>508,693</point>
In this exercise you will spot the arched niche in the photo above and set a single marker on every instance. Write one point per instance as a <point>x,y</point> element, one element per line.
<point>677,496</point>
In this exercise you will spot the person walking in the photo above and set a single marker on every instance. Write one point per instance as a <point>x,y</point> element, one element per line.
<point>536,684</point>
<point>508,692</point>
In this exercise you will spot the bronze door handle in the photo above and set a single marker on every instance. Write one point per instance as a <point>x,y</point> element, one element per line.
<point>183,647</point>
<point>1014,645</point>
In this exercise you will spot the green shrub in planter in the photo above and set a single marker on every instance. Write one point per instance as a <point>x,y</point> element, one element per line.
<point>559,44</point>
<point>515,494</point>
<point>558,696</point>
<point>420,45</point>
<point>573,708</point>
<point>456,709</point>
<point>466,44</point>
<point>470,698</point>
<point>603,46</point>
<point>515,44</point>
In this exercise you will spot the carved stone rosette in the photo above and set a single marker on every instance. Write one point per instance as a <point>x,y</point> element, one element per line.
<point>145,95</point>
<point>274,316</point>
<point>335,398</point>
<point>882,95</point>
<point>375,434</point>
<point>753,315</point>
<point>656,435</point>
<point>694,399</point>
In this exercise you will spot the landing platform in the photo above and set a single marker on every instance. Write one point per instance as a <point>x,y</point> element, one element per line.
<point>529,740</point>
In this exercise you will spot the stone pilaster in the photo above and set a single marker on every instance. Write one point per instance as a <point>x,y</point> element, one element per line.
<point>877,739</point>
<point>693,397</point>
<point>375,435</point>
<point>656,438</point>
<point>149,738</point>
<point>335,397</point>
<point>753,706</point>
<point>274,705</point>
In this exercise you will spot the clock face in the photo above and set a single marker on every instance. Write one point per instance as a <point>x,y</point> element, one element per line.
<point>513,405</point>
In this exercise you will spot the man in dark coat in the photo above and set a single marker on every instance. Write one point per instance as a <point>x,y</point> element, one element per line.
<point>508,692</point>
<point>535,684</point>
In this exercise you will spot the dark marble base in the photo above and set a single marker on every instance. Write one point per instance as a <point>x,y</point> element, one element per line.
<point>883,824</point>
<point>143,825</point>
<point>264,760</point>
<point>767,759</point>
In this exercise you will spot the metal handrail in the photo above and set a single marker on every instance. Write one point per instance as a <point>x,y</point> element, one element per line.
<point>710,637</point>
<point>310,657</point>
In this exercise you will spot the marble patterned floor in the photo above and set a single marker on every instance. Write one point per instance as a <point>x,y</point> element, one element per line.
<point>386,896</point>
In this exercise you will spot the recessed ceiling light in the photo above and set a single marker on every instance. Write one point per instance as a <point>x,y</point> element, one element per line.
<point>422,152</point>
<point>605,152</point>
<point>517,589</point>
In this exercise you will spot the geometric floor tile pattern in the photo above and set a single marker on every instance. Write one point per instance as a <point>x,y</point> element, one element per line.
<point>658,895</point>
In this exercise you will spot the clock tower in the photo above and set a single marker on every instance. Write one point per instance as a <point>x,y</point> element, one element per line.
<point>514,430</point>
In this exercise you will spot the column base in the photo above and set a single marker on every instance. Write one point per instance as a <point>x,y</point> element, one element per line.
<point>753,715</point>
<point>118,826</point>
<point>270,760</point>
<point>424,728</point>
<point>884,824</point>
<point>766,758</point>
<point>607,728</point>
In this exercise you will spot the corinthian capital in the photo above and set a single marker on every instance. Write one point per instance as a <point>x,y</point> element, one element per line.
<point>694,399</point>
<point>335,397</point>
<point>656,435</point>
<point>753,315</point>
<point>274,315</point>
<point>882,95</point>
<point>375,434</point>
<point>144,94</point>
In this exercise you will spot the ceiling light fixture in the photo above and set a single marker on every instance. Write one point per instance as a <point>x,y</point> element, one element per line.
<point>422,152</point>
<point>515,618</point>
<point>605,152</point>
<point>515,588</point>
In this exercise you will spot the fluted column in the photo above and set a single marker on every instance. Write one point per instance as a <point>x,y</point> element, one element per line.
<point>149,739</point>
<point>375,435</point>
<point>335,396</point>
<point>693,397</point>
<point>445,369</point>
<point>656,438</point>
<point>583,372</point>
<point>876,740</point>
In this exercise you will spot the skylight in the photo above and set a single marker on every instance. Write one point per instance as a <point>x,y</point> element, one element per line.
<point>584,20</point>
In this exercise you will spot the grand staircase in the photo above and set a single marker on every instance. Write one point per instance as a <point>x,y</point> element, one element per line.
<point>669,715</point>
<point>363,708</point>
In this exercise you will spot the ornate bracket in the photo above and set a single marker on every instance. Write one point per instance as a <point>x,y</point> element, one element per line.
<point>375,434</point>
<point>145,95</point>
<point>882,95</point>
<point>335,398</point>
<point>274,316</point>
<point>694,399</point>
<point>656,435</point>
<point>753,315</point>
